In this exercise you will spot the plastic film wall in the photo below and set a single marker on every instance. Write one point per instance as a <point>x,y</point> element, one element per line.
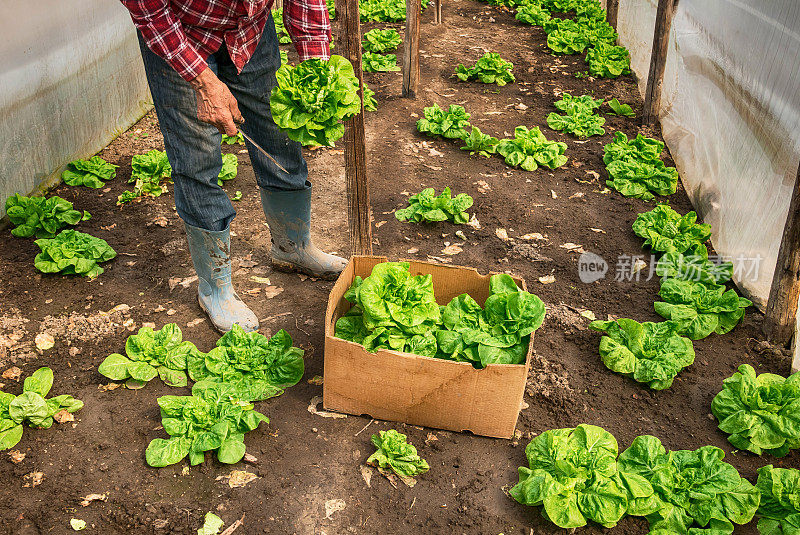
<point>71,79</point>
<point>730,114</point>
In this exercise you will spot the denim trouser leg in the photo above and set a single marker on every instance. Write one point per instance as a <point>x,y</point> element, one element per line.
<point>252,88</point>
<point>193,147</point>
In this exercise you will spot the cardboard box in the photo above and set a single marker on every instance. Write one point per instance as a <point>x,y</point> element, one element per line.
<point>390,385</point>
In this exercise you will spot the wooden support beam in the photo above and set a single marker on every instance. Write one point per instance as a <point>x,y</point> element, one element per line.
<point>355,152</point>
<point>781,313</point>
<point>612,10</point>
<point>437,11</point>
<point>658,60</point>
<point>411,53</point>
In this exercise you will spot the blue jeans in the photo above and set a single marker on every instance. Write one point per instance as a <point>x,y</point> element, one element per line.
<point>193,147</point>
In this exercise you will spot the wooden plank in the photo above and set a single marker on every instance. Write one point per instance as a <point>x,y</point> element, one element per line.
<point>781,313</point>
<point>437,11</point>
<point>355,153</point>
<point>612,10</point>
<point>658,60</point>
<point>411,54</point>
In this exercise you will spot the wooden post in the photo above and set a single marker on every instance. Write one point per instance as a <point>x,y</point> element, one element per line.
<point>612,9</point>
<point>411,54</point>
<point>437,11</point>
<point>781,313</point>
<point>355,153</point>
<point>658,60</point>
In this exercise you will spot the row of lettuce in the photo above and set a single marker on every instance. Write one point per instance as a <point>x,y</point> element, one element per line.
<point>578,475</point>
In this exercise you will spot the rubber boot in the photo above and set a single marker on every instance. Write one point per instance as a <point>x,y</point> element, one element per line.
<point>289,218</point>
<point>212,262</point>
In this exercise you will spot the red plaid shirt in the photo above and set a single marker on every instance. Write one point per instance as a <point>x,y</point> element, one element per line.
<point>186,32</point>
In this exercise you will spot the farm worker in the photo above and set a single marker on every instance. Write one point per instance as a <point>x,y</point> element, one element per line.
<point>210,65</point>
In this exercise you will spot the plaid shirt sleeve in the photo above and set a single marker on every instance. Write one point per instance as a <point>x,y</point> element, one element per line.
<point>164,35</point>
<point>309,27</point>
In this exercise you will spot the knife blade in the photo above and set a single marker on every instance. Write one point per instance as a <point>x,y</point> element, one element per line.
<point>264,152</point>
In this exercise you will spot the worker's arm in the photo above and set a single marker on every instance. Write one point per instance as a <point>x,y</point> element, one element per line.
<point>164,35</point>
<point>309,27</point>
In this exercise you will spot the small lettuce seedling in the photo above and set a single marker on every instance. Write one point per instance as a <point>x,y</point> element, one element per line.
<point>150,353</point>
<point>396,454</point>
<point>426,206</point>
<point>32,407</point>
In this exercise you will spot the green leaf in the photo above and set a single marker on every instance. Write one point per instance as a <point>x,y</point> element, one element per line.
<point>28,406</point>
<point>617,108</point>
<point>172,377</point>
<point>394,453</point>
<point>40,382</point>
<point>90,173</point>
<point>10,437</point>
<point>211,525</point>
<point>115,367</point>
<point>141,371</point>
<point>73,252</point>
<point>164,452</point>
<point>231,451</point>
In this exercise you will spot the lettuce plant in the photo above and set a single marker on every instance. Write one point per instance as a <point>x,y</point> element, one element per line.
<point>529,149</point>
<point>394,453</point>
<point>213,418</point>
<point>641,148</point>
<point>760,413</point>
<point>73,253</point>
<point>664,230</point>
<point>618,108</point>
<point>312,99</point>
<point>691,487</point>
<point>32,407</point>
<point>573,474</point>
<point>257,366</point>
<point>565,36</point>
<point>148,354</point>
<point>479,143</point>
<point>578,121</point>
<point>496,334</point>
<point>90,173</point>
<point>779,510</point>
<point>452,124</point>
<point>426,206</point>
<point>532,14</point>
<point>598,31</point>
<point>370,104</point>
<point>394,310</point>
<point>331,5</point>
<point>489,69</point>
<point>41,217</point>
<point>380,41</point>
<point>641,180</point>
<point>372,62</point>
<point>230,167</point>
<point>148,171</point>
<point>382,10</point>
<point>693,265</point>
<point>238,139</point>
<point>608,60</point>
<point>569,103</point>
<point>700,309</point>
<point>280,29</point>
<point>650,353</point>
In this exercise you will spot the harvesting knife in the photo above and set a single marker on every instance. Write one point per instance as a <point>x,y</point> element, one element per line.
<point>265,153</point>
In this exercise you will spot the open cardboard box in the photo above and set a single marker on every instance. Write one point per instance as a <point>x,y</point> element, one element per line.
<point>390,385</point>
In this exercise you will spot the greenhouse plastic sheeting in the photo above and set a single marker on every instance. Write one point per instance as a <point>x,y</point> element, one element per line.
<point>71,78</point>
<point>730,114</point>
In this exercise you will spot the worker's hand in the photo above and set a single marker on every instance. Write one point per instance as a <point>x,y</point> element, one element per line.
<point>215,103</point>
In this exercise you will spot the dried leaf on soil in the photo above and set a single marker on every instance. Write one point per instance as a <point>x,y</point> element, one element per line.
<point>589,315</point>
<point>573,247</point>
<point>63,416</point>
<point>184,283</point>
<point>89,498</point>
<point>452,249</point>
<point>13,373</point>
<point>316,380</point>
<point>77,524</point>
<point>366,473</point>
<point>44,341</point>
<point>272,291</point>
<point>533,236</point>
<point>195,322</point>
<point>502,234</point>
<point>33,479</point>
<point>474,223</point>
<point>260,280</point>
<point>312,408</point>
<point>333,506</point>
<point>16,456</point>
<point>238,478</point>
<point>547,279</point>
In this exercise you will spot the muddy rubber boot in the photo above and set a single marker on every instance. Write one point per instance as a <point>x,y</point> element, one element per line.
<point>289,218</point>
<point>212,262</point>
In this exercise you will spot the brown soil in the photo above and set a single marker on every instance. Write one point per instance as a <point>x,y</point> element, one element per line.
<point>305,460</point>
